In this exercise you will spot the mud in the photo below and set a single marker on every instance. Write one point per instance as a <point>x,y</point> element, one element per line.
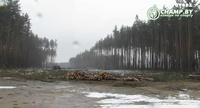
<point>92,94</point>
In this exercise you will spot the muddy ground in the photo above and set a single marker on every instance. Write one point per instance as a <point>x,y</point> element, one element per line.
<point>73,94</point>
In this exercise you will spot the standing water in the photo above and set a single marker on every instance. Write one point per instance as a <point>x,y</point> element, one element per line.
<point>109,100</point>
<point>7,87</point>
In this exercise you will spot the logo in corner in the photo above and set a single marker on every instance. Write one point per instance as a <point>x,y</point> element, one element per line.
<point>153,13</point>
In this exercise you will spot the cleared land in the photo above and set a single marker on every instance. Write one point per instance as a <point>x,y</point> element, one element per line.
<point>44,90</point>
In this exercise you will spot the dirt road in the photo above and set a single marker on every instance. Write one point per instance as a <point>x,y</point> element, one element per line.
<point>76,94</point>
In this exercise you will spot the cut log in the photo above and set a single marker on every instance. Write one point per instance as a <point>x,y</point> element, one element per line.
<point>197,77</point>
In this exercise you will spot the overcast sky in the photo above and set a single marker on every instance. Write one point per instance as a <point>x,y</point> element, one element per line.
<point>78,24</point>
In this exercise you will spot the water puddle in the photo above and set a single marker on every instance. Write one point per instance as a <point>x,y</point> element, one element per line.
<point>61,87</point>
<point>7,87</point>
<point>109,100</point>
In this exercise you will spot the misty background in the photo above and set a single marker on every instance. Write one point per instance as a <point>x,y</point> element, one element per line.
<point>78,24</point>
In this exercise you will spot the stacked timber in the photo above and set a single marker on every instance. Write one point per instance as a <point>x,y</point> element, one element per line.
<point>194,76</point>
<point>99,76</point>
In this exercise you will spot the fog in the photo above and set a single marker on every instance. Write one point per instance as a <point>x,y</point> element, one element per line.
<point>78,24</point>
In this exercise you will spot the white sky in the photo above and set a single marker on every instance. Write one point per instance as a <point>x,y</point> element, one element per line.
<point>83,21</point>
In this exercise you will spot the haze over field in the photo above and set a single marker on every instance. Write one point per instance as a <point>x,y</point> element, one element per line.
<point>78,24</point>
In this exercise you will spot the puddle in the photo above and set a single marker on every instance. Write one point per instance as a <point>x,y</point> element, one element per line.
<point>61,87</point>
<point>109,100</point>
<point>7,87</point>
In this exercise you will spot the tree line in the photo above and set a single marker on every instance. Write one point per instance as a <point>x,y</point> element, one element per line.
<point>169,44</point>
<point>19,46</point>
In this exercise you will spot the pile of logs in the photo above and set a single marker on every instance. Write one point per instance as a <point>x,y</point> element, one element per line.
<point>75,75</point>
<point>98,76</point>
<point>194,76</point>
<point>88,76</point>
